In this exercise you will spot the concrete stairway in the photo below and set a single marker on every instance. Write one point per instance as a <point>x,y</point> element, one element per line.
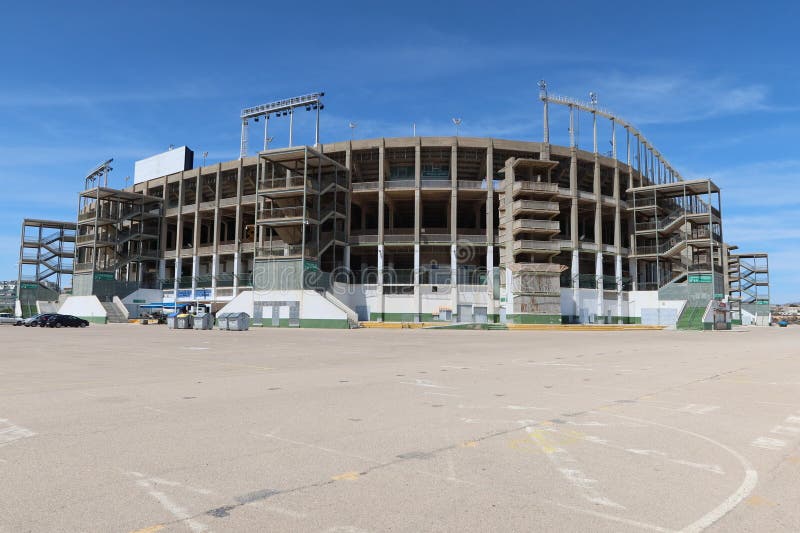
<point>113,315</point>
<point>691,318</point>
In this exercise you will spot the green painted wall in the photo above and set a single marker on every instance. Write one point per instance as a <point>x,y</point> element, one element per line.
<point>534,319</point>
<point>94,319</point>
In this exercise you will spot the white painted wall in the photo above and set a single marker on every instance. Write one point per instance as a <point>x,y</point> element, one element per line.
<point>316,306</point>
<point>83,306</point>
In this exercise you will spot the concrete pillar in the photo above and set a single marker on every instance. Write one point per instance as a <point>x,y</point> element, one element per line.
<point>379,286</point>
<point>454,278</point>
<point>417,226</point>
<point>348,163</point>
<point>573,214</point>
<point>214,274</point>
<point>598,220</point>
<point>381,229</point>
<point>454,226</point>
<point>491,308</point>
<point>617,220</point>
<point>238,228</point>
<point>215,241</point>
<point>179,236</point>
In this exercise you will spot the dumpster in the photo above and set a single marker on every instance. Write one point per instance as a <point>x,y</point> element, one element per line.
<point>183,321</point>
<point>238,322</point>
<point>203,321</point>
<point>222,320</point>
<point>171,320</point>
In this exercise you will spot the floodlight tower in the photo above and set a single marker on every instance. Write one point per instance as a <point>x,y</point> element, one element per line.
<point>100,170</point>
<point>457,124</point>
<point>279,108</point>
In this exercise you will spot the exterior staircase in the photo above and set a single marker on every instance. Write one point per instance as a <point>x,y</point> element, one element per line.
<point>113,315</point>
<point>691,318</point>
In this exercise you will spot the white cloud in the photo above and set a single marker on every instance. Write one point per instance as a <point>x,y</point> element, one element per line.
<point>677,97</point>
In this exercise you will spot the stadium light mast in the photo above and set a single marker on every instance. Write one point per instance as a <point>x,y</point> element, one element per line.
<point>278,108</point>
<point>457,123</point>
<point>352,129</point>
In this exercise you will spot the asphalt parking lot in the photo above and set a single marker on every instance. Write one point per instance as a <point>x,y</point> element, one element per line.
<point>128,428</point>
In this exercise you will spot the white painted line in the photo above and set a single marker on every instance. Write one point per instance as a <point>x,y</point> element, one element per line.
<point>792,420</point>
<point>745,488</point>
<point>9,432</point>
<point>768,443</point>
<point>716,469</point>
<point>698,408</point>
<point>425,383</point>
<point>176,510</point>
<point>613,518</point>
<point>526,408</point>
<point>444,394</point>
<point>792,431</point>
<point>564,463</point>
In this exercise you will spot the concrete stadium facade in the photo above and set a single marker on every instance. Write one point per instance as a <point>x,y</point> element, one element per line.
<point>413,229</point>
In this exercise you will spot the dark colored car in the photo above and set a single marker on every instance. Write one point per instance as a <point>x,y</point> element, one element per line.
<point>65,321</point>
<point>36,320</point>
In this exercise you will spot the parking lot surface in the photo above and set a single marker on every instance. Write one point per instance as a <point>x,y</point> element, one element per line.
<point>128,428</point>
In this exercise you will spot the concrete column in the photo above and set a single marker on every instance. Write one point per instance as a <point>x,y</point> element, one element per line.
<point>598,220</point>
<point>381,228</point>
<point>379,286</point>
<point>454,226</point>
<point>214,274</point>
<point>573,214</point>
<point>348,162</point>
<point>196,234</point>
<point>417,225</point>
<point>617,220</point>
<point>454,278</point>
<point>238,228</point>
<point>491,308</point>
<point>179,236</point>
<point>215,241</point>
<point>195,272</point>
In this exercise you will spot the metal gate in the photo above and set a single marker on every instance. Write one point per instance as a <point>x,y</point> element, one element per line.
<point>465,313</point>
<point>480,315</point>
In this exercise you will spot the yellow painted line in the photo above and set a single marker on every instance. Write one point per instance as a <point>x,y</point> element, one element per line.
<point>151,529</point>
<point>347,476</point>
<point>470,444</point>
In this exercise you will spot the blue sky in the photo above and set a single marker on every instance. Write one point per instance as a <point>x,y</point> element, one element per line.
<point>713,85</point>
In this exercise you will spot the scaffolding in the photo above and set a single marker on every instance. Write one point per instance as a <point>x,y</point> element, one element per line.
<point>46,252</point>
<point>748,286</point>
<point>117,238</point>
<point>302,201</point>
<point>678,234</point>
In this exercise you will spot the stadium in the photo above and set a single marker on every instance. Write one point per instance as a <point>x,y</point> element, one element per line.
<point>417,230</point>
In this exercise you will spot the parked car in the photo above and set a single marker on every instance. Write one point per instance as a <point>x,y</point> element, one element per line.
<point>7,318</point>
<point>36,320</point>
<point>68,321</point>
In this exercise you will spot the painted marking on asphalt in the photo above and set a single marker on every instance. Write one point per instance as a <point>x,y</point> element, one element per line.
<point>346,476</point>
<point>792,431</point>
<point>743,491</point>
<point>768,443</point>
<point>444,394</point>
<point>9,432</point>
<point>174,509</point>
<point>526,408</point>
<point>564,463</point>
<point>698,408</point>
<point>151,529</point>
<point>425,383</point>
<point>792,420</point>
